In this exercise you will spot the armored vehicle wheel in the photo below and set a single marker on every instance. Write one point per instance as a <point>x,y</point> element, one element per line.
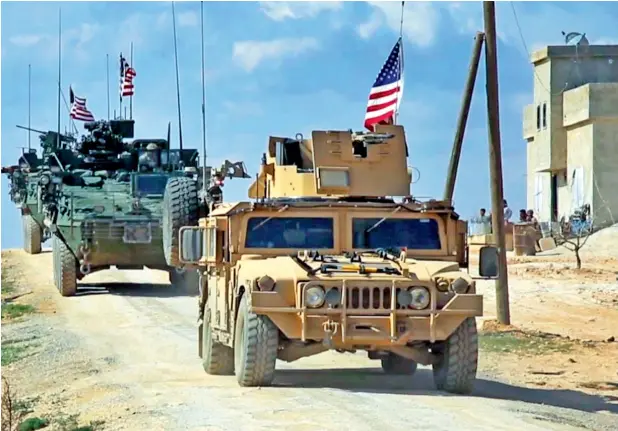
<point>395,364</point>
<point>180,208</point>
<point>32,235</point>
<point>187,281</point>
<point>456,370</point>
<point>255,347</point>
<point>65,268</point>
<point>217,359</point>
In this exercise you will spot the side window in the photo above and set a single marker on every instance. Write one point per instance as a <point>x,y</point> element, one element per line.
<point>544,115</point>
<point>538,117</point>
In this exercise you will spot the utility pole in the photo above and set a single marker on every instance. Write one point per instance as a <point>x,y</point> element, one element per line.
<point>462,120</point>
<point>495,161</point>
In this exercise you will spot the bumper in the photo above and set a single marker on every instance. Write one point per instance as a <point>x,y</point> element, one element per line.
<point>372,328</point>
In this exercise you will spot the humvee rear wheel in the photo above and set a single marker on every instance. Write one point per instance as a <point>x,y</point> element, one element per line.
<point>217,359</point>
<point>256,343</point>
<point>32,234</point>
<point>458,357</point>
<point>65,268</point>
<point>180,208</point>
<point>395,364</point>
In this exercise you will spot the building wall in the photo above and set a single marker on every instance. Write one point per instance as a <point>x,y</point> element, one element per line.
<point>605,168</point>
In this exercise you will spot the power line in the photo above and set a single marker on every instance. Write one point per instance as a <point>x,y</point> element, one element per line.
<point>523,40</point>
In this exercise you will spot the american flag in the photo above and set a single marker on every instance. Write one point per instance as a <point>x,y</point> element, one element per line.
<point>78,108</point>
<point>127,73</point>
<point>386,93</point>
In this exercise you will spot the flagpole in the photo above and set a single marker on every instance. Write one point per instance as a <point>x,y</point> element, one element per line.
<point>59,70</point>
<point>120,87</point>
<point>131,97</point>
<point>400,61</point>
<point>203,94</point>
<point>107,64</point>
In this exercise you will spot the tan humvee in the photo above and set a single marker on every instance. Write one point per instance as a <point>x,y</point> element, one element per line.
<point>322,259</point>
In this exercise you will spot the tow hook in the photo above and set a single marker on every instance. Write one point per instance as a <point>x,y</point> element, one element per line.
<point>330,329</point>
<point>84,265</point>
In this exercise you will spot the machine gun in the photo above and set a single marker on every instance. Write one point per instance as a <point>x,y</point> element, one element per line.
<point>49,140</point>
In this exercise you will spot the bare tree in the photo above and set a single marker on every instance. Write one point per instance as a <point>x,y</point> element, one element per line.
<point>574,234</point>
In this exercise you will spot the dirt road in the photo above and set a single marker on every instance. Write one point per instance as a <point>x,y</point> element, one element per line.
<point>126,354</point>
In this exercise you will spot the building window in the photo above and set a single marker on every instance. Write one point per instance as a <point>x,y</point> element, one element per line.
<point>538,117</point>
<point>544,115</point>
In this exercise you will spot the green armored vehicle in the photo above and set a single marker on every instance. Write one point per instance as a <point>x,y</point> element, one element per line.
<point>24,185</point>
<point>103,202</point>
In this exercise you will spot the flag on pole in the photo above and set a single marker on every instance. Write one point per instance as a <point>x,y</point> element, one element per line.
<point>127,73</point>
<point>387,90</point>
<point>78,108</point>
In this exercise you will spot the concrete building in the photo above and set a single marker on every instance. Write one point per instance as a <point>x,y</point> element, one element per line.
<point>571,131</point>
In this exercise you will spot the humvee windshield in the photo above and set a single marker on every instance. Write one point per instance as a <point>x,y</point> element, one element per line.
<point>290,232</point>
<point>415,234</point>
<point>150,184</point>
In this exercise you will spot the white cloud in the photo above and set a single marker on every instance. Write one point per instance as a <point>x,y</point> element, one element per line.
<point>604,41</point>
<point>241,108</point>
<point>369,27</point>
<point>249,54</point>
<point>280,11</point>
<point>187,19</point>
<point>26,40</point>
<point>420,20</point>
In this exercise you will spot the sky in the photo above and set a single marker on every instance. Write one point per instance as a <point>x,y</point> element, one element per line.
<point>280,68</point>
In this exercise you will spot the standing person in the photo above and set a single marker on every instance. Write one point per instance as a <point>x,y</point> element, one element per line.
<point>523,217</point>
<point>508,213</point>
<point>485,221</point>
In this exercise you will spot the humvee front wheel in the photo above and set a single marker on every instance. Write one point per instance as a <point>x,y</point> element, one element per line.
<point>180,208</point>
<point>65,268</point>
<point>32,234</point>
<point>256,343</point>
<point>455,370</point>
<point>395,364</point>
<point>217,359</point>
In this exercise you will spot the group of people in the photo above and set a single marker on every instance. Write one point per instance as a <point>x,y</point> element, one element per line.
<point>525,216</point>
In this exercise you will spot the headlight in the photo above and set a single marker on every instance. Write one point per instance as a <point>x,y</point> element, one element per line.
<point>420,297</point>
<point>314,297</point>
<point>333,297</point>
<point>45,180</point>
<point>99,209</point>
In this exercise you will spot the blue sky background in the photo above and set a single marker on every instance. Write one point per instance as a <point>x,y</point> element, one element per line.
<point>279,68</point>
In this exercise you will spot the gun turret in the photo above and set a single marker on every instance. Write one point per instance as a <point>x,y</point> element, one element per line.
<point>31,129</point>
<point>336,163</point>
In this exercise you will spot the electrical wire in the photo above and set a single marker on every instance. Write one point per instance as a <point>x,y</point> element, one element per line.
<point>525,45</point>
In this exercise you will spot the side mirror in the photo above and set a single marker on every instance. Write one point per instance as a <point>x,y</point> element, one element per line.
<point>191,244</point>
<point>488,262</point>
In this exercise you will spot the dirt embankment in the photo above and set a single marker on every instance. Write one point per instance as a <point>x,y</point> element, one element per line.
<point>122,355</point>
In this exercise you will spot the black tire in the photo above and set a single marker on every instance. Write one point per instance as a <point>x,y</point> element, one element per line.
<point>180,208</point>
<point>187,281</point>
<point>458,358</point>
<point>256,343</point>
<point>32,234</point>
<point>395,364</point>
<point>65,268</point>
<point>217,359</point>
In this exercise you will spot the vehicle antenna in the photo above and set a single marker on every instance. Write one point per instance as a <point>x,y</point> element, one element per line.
<point>59,70</point>
<point>177,79</point>
<point>29,98</point>
<point>204,174</point>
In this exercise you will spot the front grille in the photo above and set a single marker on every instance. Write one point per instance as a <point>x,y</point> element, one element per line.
<point>370,298</point>
<point>114,230</point>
